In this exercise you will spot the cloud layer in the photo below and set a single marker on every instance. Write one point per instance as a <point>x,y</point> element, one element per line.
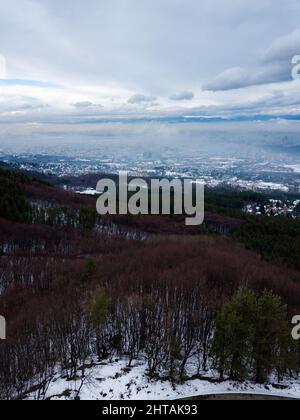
<point>140,99</point>
<point>182,96</point>
<point>135,57</point>
<point>273,66</point>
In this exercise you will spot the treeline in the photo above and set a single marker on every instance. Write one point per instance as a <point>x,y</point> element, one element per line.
<point>30,200</point>
<point>170,302</point>
<point>13,205</point>
<point>276,238</point>
<point>44,213</point>
<point>229,201</point>
<point>253,339</point>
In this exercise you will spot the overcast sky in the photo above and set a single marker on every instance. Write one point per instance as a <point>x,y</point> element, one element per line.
<point>148,57</point>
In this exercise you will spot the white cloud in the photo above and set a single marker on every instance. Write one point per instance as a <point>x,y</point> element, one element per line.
<point>182,96</point>
<point>138,99</point>
<point>274,65</point>
<point>237,77</point>
<point>87,107</point>
<point>105,52</point>
<point>283,49</point>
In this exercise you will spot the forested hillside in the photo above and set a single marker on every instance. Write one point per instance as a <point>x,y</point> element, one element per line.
<point>276,238</point>
<point>77,290</point>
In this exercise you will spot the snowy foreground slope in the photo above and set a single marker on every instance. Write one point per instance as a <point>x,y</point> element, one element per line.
<point>114,381</point>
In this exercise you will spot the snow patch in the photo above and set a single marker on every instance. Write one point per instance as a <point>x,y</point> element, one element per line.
<point>115,381</point>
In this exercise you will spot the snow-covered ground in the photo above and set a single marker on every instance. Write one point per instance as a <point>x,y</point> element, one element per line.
<point>114,381</point>
<point>89,191</point>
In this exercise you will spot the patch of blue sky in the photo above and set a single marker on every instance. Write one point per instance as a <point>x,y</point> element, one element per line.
<point>31,83</point>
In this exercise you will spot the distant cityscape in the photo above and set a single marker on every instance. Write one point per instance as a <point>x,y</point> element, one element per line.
<point>274,208</point>
<point>253,173</point>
